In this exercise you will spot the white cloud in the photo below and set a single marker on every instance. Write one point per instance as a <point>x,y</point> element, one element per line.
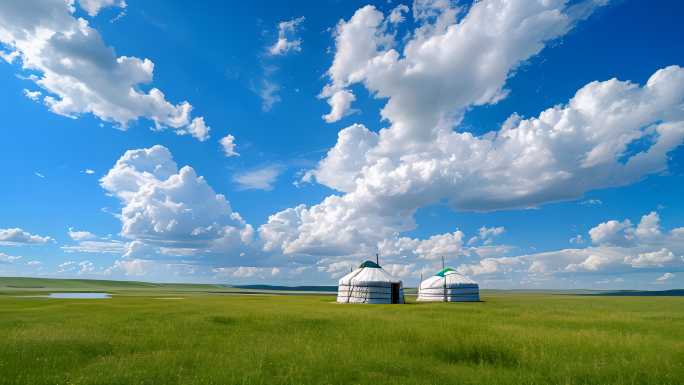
<point>197,129</point>
<point>245,271</point>
<point>578,239</point>
<point>340,102</point>
<point>299,270</point>
<point>228,145</point>
<point>488,235</point>
<point>613,233</point>
<point>652,259</point>
<point>42,176</point>
<point>399,271</point>
<point>491,251</point>
<point>94,6</point>
<point>87,171</point>
<point>285,30</point>
<point>260,179</point>
<point>135,267</point>
<point>66,264</point>
<point>559,156</point>
<point>32,263</point>
<point>18,237</point>
<point>593,262</point>
<point>396,15</point>
<point>647,248</point>
<point>113,247</point>
<point>72,60</point>
<point>170,211</point>
<point>80,235</point>
<point>344,162</point>
<point>32,95</point>
<point>591,202</point>
<point>4,258</point>
<point>437,246</point>
<point>86,267</point>
<point>445,66</point>
<point>489,266</point>
<point>666,276</point>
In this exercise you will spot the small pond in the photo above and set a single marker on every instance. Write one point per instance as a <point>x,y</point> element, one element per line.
<point>71,295</point>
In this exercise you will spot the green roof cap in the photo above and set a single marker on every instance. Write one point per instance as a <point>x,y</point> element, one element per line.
<point>441,273</point>
<point>369,264</point>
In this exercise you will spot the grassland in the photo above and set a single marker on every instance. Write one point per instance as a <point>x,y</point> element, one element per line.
<point>212,336</point>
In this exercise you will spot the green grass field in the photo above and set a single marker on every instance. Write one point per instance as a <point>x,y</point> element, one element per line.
<point>209,337</point>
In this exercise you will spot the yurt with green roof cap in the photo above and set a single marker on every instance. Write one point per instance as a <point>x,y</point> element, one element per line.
<point>449,286</point>
<point>370,283</point>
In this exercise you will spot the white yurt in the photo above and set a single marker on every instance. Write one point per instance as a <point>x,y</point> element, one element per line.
<point>449,286</point>
<point>370,283</point>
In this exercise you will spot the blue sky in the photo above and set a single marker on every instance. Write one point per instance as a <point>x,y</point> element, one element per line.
<point>533,145</point>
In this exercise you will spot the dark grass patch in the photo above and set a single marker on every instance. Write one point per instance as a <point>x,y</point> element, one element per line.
<point>222,320</point>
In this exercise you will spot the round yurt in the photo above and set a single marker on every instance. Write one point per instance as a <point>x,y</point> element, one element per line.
<point>370,283</point>
<point>449,286</point>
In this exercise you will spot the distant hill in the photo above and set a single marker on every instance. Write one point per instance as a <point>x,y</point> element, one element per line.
<point>284,288</point>
<point>26,285</point>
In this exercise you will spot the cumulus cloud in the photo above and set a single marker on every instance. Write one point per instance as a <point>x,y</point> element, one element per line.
<point>19,237</point>
<point>610,133</point>
<point>487,235</point>
<point>169,211</point>
<point>245,271</point>
<point>32,263</point>
<point>655,258</point>
<point>228,145</point>
<point>396,16</point>
<point>666,276</point>
<point>489,266</point>
<point>286,29</point>
<point>559,156</point>
<point>135,267</point>
<point>445,66</point>
<point>73,61</point>
<point>340,102</point>
<point>613,233</point>
<point>197,129</point>
<point>647,248</point>
<point>433,248</point>
<point>94,6</point>
<point>344,162</point>
<point>80,235</point>
<point>32,95</point>
<point>419,160</point>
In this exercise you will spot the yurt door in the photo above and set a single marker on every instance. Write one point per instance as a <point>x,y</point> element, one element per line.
<point>395,292</point>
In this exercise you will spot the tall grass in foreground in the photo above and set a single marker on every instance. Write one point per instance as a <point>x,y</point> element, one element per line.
<point>264,339</point>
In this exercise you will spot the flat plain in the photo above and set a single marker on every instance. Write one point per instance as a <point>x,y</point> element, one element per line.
<point>219,335</point>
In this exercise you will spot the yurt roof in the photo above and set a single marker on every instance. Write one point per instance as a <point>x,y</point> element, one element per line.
<point>444,272</point>
<point>369,274</point>
<point>370,264</point>
<point>452,277</point>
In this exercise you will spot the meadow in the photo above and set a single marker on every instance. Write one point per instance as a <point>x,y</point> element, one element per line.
<point>215,336</point>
